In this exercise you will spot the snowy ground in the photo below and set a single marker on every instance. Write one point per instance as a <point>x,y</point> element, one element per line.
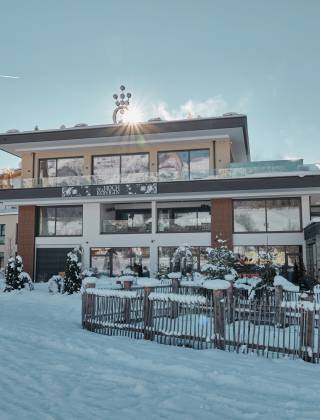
<point>52,369</point>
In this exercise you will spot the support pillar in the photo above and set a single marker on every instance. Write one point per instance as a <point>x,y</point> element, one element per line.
<point>26,237</point>
<point>221,220</point>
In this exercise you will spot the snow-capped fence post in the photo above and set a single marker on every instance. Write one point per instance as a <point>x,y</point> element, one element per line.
<point>148,313</point>
<point>279,313</point>
<point>88,310</point>
<point>174,310</point>
<point>230,304</point>
<point>219,318</point>
<point>307,319</point>
<point>127,284</point>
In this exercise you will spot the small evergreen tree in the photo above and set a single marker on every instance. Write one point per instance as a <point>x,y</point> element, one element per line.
<point>221,261</point>
<point>72,280</point>
<point>263,290</point>
<point>14,280</point>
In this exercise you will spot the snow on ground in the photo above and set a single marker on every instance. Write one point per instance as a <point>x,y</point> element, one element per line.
<point>52,369</point>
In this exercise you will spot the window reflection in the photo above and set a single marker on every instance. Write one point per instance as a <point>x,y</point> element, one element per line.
<point>272,215</point>
<point>113,261</point>
<point>183,165</point>
<point>61,167</point>
<point>60,221</point>
<point>165,254</point>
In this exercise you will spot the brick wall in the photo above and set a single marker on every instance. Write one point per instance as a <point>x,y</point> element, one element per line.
<point>221,220</point>
<point>26,237</point>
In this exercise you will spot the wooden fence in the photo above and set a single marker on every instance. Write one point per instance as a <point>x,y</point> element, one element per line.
<point>220,319</point>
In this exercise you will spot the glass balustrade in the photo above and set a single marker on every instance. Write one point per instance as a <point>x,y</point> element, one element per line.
<point>172,176</point>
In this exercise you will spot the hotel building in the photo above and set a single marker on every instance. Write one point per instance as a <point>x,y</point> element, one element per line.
<point>132,193</point>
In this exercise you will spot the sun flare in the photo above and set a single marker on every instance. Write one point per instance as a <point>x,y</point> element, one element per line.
<point>133,115</point>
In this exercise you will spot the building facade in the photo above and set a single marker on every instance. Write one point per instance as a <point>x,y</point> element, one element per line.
<point>129,194</point>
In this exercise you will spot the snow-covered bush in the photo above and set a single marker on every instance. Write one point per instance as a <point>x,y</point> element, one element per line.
<point>56,284</point>
<point>26,280</point>
<point>72,280</point>
<point>220,263</point>
<point>91,272</point>
<point>182,260</point>
<point>13,270</point>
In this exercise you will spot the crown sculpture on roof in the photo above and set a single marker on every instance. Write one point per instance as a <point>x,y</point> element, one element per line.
<point>122,105</point>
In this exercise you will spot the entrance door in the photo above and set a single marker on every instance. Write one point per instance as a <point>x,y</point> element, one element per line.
<point>50,261</point>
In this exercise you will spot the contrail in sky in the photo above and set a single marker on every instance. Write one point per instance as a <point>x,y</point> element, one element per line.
<point>4,76</point>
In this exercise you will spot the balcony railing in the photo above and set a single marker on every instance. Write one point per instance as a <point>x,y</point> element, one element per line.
<point>226,173</point>
<point>188,225</point>
<point>124,226</point>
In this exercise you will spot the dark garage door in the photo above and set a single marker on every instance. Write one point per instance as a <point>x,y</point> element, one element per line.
<point>50,261</point>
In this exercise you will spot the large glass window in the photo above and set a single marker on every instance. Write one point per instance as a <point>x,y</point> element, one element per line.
<point>60,221</point>
<point>115,220</point>
<point>2,234</point>
<point>165,254</point>
<point>183,165</point>
<point>107,168</point>
<point>283,215</point>
<point>114,261</point>
<point>274,215</point>
<point>121,168</point>
<point>196,219</point>
<point>134,168</point>
<point>284,255</point>
<point>249,216</point>
<point>61,167</point>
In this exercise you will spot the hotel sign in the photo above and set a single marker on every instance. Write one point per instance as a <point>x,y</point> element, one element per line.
<point>109,190</point>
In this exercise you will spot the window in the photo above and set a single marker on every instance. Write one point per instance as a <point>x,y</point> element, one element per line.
<point>197,219</point>
<point>114,261</point>
<point>273,215</point>
<point>165,254</point>
<point>2,234</point>
<point>315,206</point>
<point>2,261</point>
<point>115,220</point>
<point>121,168</point>
<point>61,167</point>
<point>183,165</point>
<point>60,221</point>
<point>284,255</point>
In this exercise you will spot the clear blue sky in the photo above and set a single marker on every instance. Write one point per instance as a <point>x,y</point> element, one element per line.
<point>261,58</point>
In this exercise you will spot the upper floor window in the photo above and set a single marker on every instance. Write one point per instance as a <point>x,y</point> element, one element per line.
<point>60,221</point>
<point>272,215</point>
<point>61,167</point>
<point>183,165</point>
<point>121,168</point>
<point>2,234</point>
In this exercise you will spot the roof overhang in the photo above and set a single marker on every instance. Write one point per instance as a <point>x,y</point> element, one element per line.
<point>232,127</point>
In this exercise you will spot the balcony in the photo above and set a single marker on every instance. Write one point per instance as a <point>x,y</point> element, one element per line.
<point>249,170</point>
<point>124,226</point>
<point>187,225</point>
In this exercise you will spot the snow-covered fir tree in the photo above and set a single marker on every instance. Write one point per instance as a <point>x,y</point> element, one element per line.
<point>182,260</point>
<point>14,280</point>
<point>73,278</point>
<point>221,261</point>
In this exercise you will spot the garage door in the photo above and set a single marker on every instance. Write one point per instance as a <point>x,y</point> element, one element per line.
<point>50,261</point>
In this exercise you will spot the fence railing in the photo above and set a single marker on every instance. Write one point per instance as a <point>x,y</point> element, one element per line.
<point>216,319</point>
